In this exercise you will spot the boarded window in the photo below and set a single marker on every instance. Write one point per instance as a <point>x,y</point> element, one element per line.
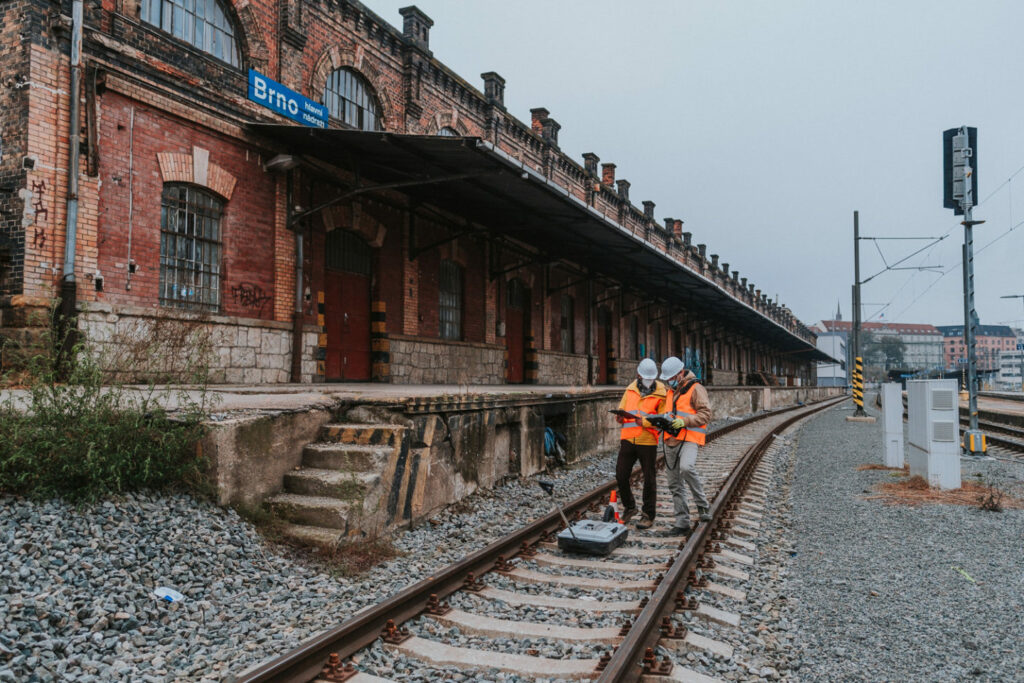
<point>451,300</point>
<point>190,248</point>
<point>201,23</point>
<point>350,99</point>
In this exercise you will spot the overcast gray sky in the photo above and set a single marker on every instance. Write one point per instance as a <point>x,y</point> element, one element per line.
<point>764,125</point>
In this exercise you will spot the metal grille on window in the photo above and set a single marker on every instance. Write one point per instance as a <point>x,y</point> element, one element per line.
<point>451,300</point>
<point>448,132</point>
<point>567,326</point>
<point>348,98</point>
<point>202,23</point>
<point>346,251</point>
<point>190,248</point>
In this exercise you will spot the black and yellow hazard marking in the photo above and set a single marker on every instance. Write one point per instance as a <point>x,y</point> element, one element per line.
<point>858,383</point>
<point>380,346</point>
<point>321,340</point>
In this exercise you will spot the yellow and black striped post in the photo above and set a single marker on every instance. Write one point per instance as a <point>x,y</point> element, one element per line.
<point>858,386</point>
<point>321,338</point>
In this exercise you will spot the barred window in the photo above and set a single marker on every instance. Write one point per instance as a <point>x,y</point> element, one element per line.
<point>448,132</point>
<point>451,300</point>
<point>568,338</point>
<point>202,23</point>
<point>190,248</point>
<point>346,251</point>
<point>350,99</point>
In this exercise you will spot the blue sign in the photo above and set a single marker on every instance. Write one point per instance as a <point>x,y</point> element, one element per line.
<point>286,102</point>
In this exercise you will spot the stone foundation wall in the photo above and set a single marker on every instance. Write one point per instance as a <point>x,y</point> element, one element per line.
<point>141,344</point>
<point>417,360</point>
<point>561,369</point>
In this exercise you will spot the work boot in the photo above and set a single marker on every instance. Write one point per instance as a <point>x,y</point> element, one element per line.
<point>628,514</point>
<point>645,522</point>
<point>705,516</point>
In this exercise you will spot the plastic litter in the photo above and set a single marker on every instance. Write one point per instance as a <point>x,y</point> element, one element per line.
<point>168,594</point>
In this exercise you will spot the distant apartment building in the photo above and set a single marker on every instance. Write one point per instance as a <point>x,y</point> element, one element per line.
<point>990,342</point>
<point>922,344</point>
<point>1011,364</point>
<point>832,374</point>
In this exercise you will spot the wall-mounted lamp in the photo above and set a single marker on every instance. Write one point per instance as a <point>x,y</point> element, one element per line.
<point>281,163</point>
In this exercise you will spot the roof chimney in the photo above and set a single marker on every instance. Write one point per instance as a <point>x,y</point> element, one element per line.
<point>590,164</point>
<point>735,276</point>
<point>416,26</point>
<point>677,228</point>
<point>549,131</point>
<point>608,174</point>
<point>702,249</point>
<point>714,261</point>
<point>743,282</point>
<point>494,88</point>
<point>537,116</point>
<point>725,269</point>
<point>648,209</point>
<point>623,189</point>
<point>687,236</point>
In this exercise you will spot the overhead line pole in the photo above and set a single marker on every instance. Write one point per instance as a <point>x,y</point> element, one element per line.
<point>858,362</point>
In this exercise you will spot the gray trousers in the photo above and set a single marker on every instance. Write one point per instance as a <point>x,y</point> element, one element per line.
<point>680,467</point>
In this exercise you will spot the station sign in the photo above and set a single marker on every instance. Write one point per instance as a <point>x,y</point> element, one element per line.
<point>285,101</point>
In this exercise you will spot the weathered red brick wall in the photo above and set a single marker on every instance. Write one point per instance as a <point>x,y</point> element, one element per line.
<point>247,226</point>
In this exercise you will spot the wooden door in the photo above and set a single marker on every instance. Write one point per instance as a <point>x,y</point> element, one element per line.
<point>347,307</point>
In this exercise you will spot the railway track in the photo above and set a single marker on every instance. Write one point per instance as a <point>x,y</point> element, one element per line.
<point>1005,441</point>
<point>643,585</point>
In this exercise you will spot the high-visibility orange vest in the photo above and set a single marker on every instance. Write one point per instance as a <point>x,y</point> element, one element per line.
<point>651,404</point>
<point>677,404</point>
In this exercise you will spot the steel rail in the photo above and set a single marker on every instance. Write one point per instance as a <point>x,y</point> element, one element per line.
<point>305,662</point>
<point>626,662</point>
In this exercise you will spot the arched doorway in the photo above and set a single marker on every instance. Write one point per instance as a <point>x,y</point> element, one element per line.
<point>347,261</point>
<point>517,326</point>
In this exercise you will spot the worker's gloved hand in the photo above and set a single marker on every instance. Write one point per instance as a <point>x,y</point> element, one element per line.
<point>678,423</point>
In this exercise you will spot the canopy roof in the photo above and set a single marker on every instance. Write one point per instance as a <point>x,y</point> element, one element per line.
<point>472,178</point>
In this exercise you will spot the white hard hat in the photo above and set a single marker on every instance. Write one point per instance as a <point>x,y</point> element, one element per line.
<point>670,367</point>
<point>647,369</point>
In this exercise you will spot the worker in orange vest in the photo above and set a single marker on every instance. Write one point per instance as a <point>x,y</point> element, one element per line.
<point>638,440</point>
<point>686,403</point>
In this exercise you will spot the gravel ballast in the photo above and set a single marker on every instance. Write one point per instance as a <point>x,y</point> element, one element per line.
<point>879,592</point>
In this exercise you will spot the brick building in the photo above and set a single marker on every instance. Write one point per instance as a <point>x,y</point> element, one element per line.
<point>990,342</point>
<point>323,199</point>
<point>922,343</point>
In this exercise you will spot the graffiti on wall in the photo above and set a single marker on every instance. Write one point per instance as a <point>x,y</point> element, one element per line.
<point>251,296</point>
<point>40,214</point>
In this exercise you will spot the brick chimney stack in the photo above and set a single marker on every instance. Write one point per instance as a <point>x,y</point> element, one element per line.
<point>608,174</point>
<point>669,223</point>
<point>687,237</point>
<point>494,88</point>
<point>725,269</point>
<point>623,186</point>
<point>590,164</point>
<point>714,261</point>
<point>677,228</point>
<point>648,209</point>
<point>702,249</point>
<point>735,276</point>
<point>416,26</point>
<point>537,116</point>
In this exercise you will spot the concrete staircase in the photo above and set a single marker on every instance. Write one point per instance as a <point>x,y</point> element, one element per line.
<point>338,488</point>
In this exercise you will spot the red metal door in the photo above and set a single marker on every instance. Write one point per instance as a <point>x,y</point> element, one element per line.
<point>347,308</point>
<point>515,332</point>
<point>602,345</point>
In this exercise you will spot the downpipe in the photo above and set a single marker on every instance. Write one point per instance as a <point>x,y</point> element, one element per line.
<point>67,324</point>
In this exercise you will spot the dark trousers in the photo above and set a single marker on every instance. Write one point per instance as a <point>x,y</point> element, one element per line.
<point>629,453</point>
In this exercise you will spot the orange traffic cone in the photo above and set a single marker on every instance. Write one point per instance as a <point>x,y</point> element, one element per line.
<point>612,500</point>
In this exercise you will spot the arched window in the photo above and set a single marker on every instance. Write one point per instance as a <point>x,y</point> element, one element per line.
<point>202,23</point>
<point>448,132</point>
<point>190,247</point>
<point>350,99</point>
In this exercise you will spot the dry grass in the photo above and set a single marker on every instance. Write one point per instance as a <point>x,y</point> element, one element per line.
<point>874,466</point>
<point>915,491</point>
<point>355,556</point>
